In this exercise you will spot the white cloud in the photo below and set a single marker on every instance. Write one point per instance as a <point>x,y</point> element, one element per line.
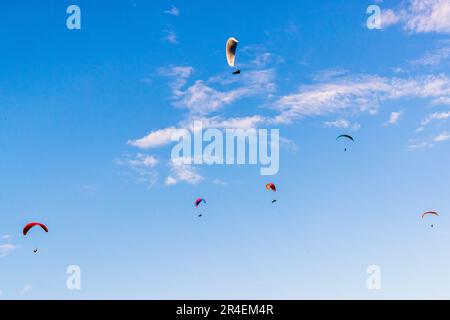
<point>421,16</point>
<point>201,98</point>
<point>143,160</point>
<point>6,237</point>
<point>288,144</point>
<point>394,118</point>
<point>25,290</point>
<point>6,249</point>
<point>178,75</point>
<point>341,124</point>
<point>329,74</point>
<point>219,182</point>
<point>428,16</point>
<point>174,11</point>
<point>441,101</point>
<point>170,36</point>
<point>444,136</point>
<point>434,57</point>
<point>388,18</point>
<point>170,181</point>
<point>360,93</point>
<point>154,139</point>
<point>249,122</point>
<point>435,116</point>
<point>419,145</point>
<point>261,60</point>
<point>141,167</point>
<point>162,137</point>
<point>181,171</point>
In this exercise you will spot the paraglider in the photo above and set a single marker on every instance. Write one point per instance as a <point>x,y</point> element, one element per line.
<point>198,201</point>
<point>271,186</point>
<point>434,213</point>
<point>31,225</point>
<point>34,224</point>
<point>345,136</point>
<point>230,52</point>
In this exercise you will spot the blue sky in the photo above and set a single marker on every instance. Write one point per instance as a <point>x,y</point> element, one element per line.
<point>85,117</point>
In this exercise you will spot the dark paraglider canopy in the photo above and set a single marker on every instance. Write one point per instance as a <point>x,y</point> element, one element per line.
<point>345,136</point>
<point>33,224</point>
<point>430,212</point>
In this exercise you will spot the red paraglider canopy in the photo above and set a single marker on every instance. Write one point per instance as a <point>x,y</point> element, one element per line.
<point>271,186</point>
<point>33,224</point>
<point>429,212</point>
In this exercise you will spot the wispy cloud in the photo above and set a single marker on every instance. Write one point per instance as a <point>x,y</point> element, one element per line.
<point>170,36</point>
<point>180,170</point>
<point>142,160</point>
<point>329,74</point>
<point>154,139</point>
<point>388,18</point>
<point>6,249</point>
<point>394,118</point>
<point>363,93</point>
<point>341,124</point>
<point>219,182</point>
<point>249,122</point>
<point>202,98</point>
<point>420,16</point>
<point>174,11</point>
<point>25,290</point>
<point>419,145</point>
<point>141,167</point>
<point>444,136</point>
<point>359,93</point>
<point>288,144</point>
<point>436,56</point>
<point>163,137</point>
<point>436,116</point>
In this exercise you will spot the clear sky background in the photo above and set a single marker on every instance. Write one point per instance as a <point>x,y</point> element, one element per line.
<point>84,120</point>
